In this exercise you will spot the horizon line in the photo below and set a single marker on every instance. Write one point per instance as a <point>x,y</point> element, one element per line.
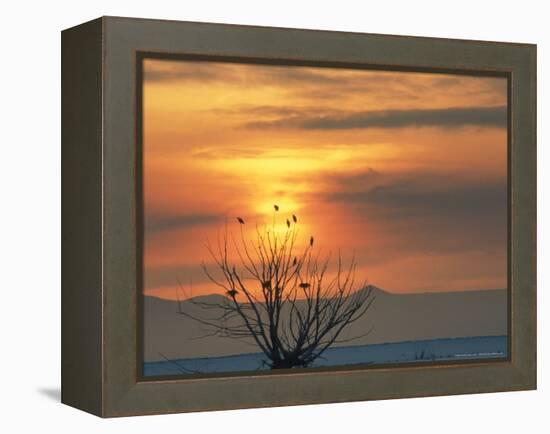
<point>372,286</point>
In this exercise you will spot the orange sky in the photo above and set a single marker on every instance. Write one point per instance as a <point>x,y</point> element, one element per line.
<point>406,169</point>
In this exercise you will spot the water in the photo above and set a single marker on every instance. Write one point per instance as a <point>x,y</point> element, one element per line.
<point>453,349</point>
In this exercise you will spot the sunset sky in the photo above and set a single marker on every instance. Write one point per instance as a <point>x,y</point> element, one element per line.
<point>406,169</point>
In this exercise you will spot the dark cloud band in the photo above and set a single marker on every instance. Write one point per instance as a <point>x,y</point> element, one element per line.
<point>446,118</point>
<point>159,223</point>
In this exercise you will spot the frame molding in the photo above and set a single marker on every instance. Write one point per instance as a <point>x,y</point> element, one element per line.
<point>100,198</point>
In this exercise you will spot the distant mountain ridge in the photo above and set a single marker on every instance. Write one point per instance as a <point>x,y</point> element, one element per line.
<point>391,318</point>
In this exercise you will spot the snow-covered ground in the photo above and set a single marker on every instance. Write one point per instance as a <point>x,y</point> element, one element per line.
<point>484,347</point>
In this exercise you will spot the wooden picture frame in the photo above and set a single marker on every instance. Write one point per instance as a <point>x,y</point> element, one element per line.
<point>102,227</point>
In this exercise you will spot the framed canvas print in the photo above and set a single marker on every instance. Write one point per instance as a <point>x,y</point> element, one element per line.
<point>258,216</point>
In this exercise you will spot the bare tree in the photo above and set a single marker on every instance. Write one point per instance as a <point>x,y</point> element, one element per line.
<point>280,298</point>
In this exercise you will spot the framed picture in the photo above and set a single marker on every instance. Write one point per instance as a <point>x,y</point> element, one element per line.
<point>257,216</point>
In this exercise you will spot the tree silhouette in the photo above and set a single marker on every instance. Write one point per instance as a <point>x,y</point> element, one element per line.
<point>279,297</point>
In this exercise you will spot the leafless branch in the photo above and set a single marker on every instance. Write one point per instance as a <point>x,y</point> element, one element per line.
<point>279,297</point>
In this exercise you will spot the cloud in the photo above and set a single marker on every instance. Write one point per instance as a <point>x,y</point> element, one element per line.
<point>417,198</point>
<point>363,179</point>
<point>421,193</point>
<point>188,71</point>
<point>320,83</point>
<point>443,118</point>
<point>420,213</point>
<point>175,275</point>
<point>234,73</point>
<point>228,152</point>
<point>160,222</point>
<point>303,79</point>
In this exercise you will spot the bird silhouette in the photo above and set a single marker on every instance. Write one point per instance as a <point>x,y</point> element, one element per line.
<point>276,207</point>
<point>304,285</point>
<point>287,222</point>
<point>232,292</point>
<point>240,220</point>
<point>295,261</point>
<point>311,241</point>
<point>294,218</point>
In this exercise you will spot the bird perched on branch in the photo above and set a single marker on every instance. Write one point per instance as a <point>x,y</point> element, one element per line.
<point>304,285</point>
<point>288,223</point>
<point>295,261</point>
<point>240,220</point>
<point>232,293</point>
<point>276,207</point>
<point>311,241</point>
<point>294,218</point>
